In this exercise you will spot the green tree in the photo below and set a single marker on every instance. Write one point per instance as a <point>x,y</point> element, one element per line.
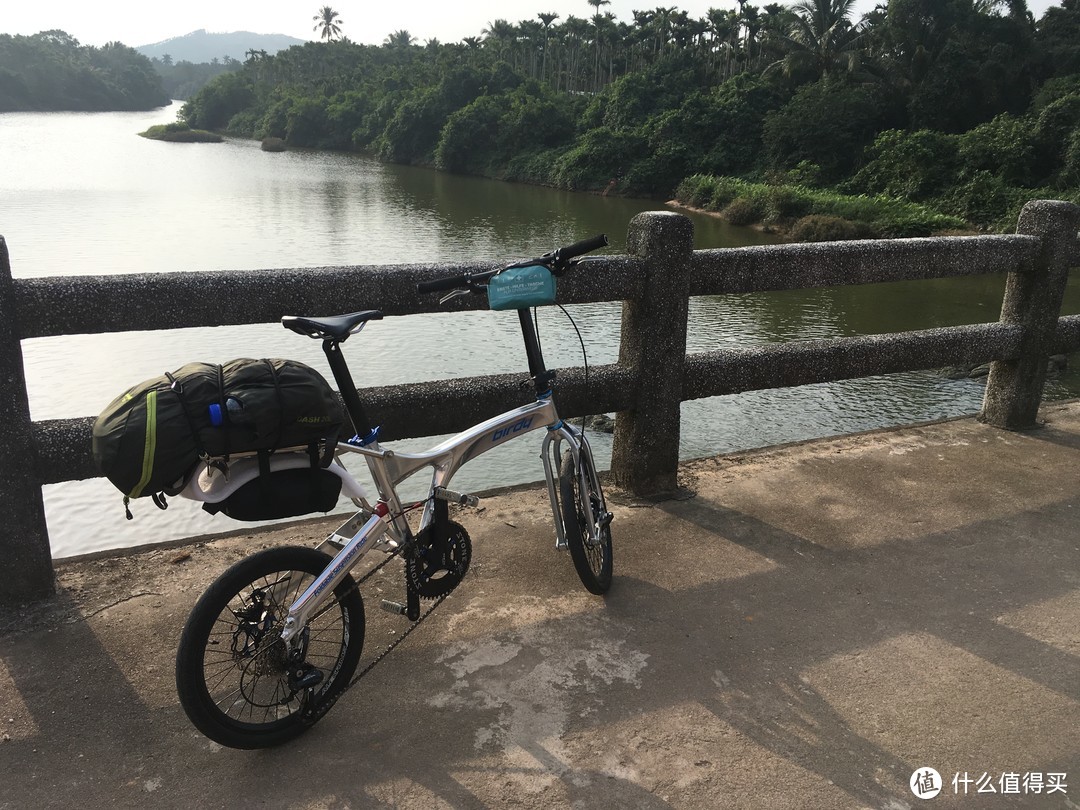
<point>214,106</point>
<point>909,165</point>
<point>1069,176</point>
<point>546,19</point>
<point>1053,130</point>
<point>1003,147</point>
<point>470,136</point>
<point>500,36</point>
<point>597,19</point>
<point>597,157</point>
<point>821,41</point>
<point>400,39</point>
<point>959,63</point>
<point>1057,37</point>
<point>828,123</point>
<point>52,71</point>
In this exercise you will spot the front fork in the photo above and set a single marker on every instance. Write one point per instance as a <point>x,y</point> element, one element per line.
<point>587,480</point>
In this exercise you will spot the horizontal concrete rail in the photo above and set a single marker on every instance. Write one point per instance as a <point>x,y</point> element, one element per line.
<point>831,264</point>
<point>403,411</point>
<point>783,365</point>
<point>1067,336</point>
<point>76,305</point>
<point>646,386</point>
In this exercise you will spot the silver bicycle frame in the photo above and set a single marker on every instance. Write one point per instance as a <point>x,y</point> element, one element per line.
<point>366,529</point>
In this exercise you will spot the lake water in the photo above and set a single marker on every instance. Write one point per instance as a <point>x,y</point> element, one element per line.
<point>82,194</point>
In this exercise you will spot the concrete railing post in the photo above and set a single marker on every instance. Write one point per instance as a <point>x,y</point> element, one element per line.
<point>1032,301</point>
<point>645,455</point>
<point>25,559</point>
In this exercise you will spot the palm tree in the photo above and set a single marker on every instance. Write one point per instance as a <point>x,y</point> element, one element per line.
<point>725,28</point>
<point>501,35</point>
<point>547,18</point>
<point>328,20</point>
<point>575,32</point>
<point>821,39</point>
<point>399,39</point>
<point>596,21</point>
<point>531,37</point>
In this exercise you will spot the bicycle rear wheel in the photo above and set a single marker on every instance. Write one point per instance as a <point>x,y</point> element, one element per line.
<point>592,557</point>
<point>237,681</point>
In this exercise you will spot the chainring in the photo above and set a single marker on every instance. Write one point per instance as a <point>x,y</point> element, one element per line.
<point>440,560</point>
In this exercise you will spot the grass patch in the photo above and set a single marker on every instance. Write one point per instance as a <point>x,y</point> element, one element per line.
<point>783,207</point>
<point>180,133</point>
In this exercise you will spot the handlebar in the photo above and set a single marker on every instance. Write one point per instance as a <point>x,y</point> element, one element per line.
<point>565,254</point>
<point>556,261</point>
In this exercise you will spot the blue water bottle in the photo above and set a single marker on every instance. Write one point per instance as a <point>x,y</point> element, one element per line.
<point>234,407</point>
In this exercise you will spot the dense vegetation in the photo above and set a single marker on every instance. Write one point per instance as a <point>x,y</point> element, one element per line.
<point>183,79</point>
<point>180,133</point>
<point>963,107</point>
<point>52,71</point>
<point>189,62</point>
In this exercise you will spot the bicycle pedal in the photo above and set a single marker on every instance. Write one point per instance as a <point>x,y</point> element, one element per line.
<point>393,607</point>
<point>461,498</point>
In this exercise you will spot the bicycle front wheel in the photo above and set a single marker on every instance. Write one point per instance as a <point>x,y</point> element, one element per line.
<point>238,682</point>
<point>592,557</point>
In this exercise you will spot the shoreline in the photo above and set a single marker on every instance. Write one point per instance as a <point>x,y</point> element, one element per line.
<point>760,227</point>
<point>795,213</point>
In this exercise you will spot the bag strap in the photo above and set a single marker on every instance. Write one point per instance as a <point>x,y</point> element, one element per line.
<point>314,476</point>
<point>266,492</point>
<point>280,401</point>
<point>177,387</point>
<point>224,409</point>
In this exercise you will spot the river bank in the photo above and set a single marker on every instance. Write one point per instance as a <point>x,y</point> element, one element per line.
<point>801,214</point>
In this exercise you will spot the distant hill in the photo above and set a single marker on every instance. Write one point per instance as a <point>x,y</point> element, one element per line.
<point>202,46</point>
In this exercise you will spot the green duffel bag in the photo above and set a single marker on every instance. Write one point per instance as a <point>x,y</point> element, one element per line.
<point>150,438</point>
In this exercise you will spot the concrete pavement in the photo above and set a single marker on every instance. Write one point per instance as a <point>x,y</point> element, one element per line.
<point>815,624</point>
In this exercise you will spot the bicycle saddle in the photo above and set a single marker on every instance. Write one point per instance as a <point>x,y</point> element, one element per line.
<point>336,327</point>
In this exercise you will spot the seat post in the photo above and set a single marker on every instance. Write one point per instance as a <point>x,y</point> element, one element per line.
<point>343,377</point>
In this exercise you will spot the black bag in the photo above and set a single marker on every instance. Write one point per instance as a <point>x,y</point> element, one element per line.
<point>281,494</point>
<point>150,438</point>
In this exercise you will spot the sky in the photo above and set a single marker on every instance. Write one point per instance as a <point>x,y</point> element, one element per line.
<point>136,22</point>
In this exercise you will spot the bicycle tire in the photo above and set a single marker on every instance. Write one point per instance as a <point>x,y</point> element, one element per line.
<point>230,668</point>
<point>592,560</point>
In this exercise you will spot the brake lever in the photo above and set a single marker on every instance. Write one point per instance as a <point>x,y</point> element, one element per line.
<point>453,294</point>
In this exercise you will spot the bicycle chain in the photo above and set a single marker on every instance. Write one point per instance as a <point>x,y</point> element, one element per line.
<point>371,665</point>
<point>438,601</point>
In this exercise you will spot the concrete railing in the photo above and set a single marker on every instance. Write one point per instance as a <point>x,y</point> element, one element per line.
<point>653,374</point>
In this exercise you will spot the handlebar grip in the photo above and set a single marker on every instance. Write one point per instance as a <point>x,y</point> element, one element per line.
<point>440,284</point>
<point>584,246</point>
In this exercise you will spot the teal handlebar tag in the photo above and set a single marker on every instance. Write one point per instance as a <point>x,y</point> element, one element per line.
<point>522,287</point>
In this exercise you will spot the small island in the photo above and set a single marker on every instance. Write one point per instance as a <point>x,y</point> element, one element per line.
<point>180,133</point>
